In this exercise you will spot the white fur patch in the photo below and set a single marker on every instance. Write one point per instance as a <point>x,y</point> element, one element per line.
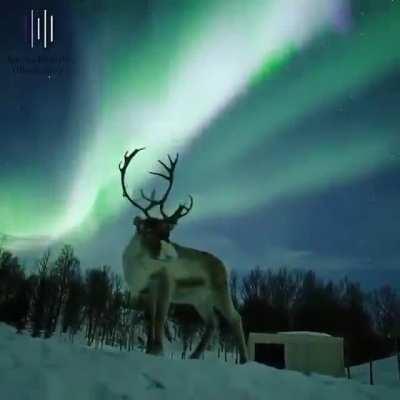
<point>167,251</point>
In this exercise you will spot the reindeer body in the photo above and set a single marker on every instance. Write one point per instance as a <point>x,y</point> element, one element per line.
<point>195,274</point>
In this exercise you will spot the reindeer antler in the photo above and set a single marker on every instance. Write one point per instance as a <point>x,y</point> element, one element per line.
<point>182,209</point>
<point>127,159</point>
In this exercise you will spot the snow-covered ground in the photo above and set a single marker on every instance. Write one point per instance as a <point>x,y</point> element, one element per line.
<point>385,372</point>
<point>38,369</point>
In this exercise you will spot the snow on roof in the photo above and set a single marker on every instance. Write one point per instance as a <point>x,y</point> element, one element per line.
<point>304,333</point>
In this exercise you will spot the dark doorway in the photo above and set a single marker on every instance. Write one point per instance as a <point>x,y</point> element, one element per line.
<point>271,354</point>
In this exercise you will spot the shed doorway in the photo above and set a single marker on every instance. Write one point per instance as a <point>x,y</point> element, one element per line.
<point>271,354</point>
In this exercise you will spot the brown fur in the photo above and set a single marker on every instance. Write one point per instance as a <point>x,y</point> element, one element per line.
<point>189,283</point>
<point>215,268</point>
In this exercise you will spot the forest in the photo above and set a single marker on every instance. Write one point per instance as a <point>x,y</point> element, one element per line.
<point>59,296</point>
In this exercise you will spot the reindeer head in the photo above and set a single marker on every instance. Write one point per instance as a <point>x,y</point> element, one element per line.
<point>151,228</point>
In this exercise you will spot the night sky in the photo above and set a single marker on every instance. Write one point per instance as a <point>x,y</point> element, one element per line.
<point>286,115</point>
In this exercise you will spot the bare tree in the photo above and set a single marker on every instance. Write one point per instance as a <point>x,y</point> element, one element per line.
<point>385,307</point>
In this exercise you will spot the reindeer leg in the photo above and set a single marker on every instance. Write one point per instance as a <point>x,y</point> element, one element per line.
<point>228,311</point>
<point>210,319</point>
<point>151,308</point>
<point>237,328</point>
<point>149,342</point>
<point>164,294</point>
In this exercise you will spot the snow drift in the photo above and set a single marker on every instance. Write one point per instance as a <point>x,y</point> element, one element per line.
<point>33,368</point>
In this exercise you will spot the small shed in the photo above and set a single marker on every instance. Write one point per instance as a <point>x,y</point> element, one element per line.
<point>300,351</point>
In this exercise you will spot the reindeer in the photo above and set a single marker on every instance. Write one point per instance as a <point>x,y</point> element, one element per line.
<point>159,272</point>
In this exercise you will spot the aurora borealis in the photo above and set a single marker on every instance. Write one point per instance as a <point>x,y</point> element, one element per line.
<point>285,114</point>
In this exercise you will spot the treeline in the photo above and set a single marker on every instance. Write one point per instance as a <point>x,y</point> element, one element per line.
<point>58,297</point>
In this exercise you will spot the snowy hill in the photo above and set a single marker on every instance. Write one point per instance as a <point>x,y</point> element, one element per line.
<point>38,369</point>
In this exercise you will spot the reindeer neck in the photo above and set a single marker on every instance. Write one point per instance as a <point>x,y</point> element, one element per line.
<point>146,247</point>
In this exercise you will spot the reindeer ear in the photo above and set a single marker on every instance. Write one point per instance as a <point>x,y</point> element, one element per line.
<point>137,221</point>
<point>169,226</point>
